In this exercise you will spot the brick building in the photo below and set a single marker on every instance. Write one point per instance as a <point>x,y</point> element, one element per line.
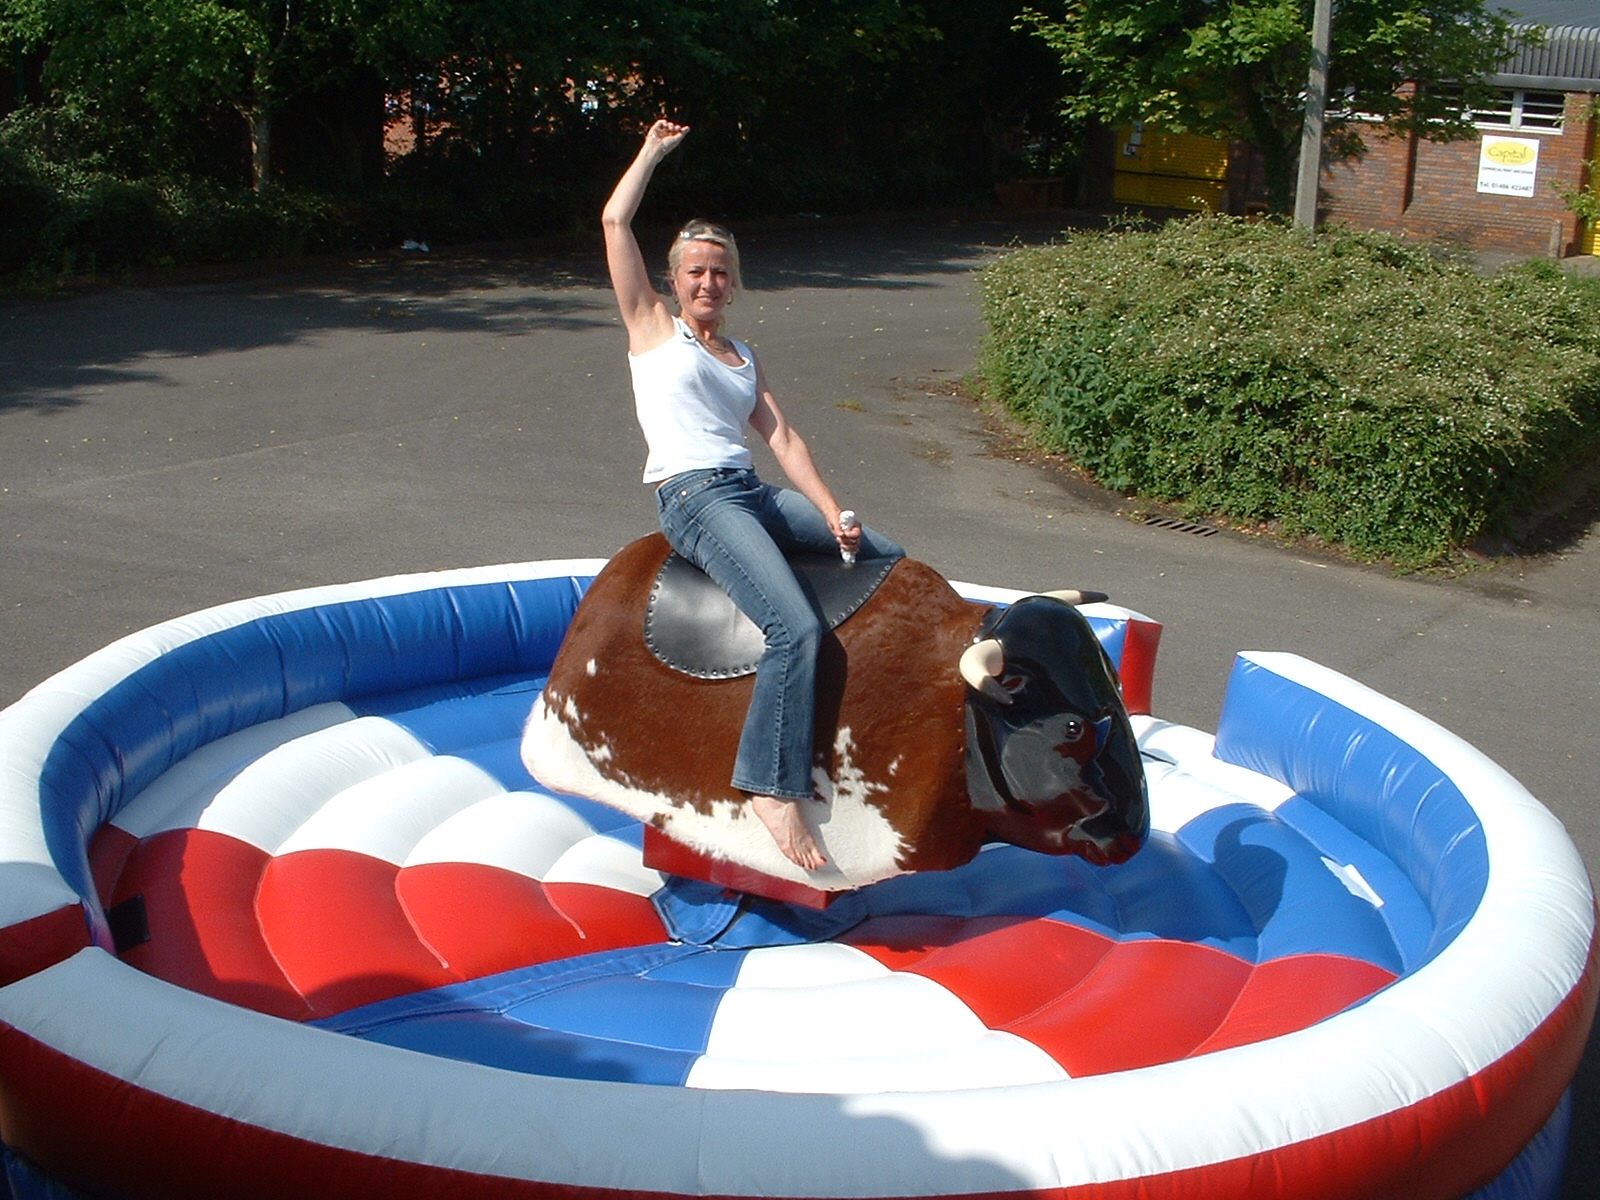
<point>1470,192</point>
<point>1495,191</point>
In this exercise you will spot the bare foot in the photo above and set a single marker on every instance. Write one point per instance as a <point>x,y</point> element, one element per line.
<point>787,824</point>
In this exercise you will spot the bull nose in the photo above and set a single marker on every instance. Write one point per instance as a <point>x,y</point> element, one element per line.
<point>1124,847</point>
<point>1109,853</point>
<point>1104,849</point>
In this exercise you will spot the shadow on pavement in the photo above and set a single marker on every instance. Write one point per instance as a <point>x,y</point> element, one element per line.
<point>49,364</point>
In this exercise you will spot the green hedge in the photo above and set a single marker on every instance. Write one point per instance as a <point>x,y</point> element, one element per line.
<point>1355,388</point>
<point>66,222</point>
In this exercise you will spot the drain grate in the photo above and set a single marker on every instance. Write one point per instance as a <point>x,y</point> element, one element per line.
<point>1178,526</point>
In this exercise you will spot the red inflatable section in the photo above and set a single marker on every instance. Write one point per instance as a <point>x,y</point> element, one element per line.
<point>663,854</point>
<point>1097,1005</point>
<point>199,893</point>
<point>39,942</point>
<point>1137,670</point>
<point>230,921</point>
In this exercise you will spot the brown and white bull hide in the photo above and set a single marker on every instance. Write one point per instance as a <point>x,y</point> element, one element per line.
<point>617,725</point>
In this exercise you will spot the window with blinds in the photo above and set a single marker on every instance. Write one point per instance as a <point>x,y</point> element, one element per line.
<point>1522,111</point>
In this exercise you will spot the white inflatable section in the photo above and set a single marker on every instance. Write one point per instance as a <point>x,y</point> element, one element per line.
<point>524,832</point>
<point>990,1060</point>
<point>997,595</point>
<point>605,862</point>
<point>1415,1041</point>
<point>386,816</point>
<point>269,802</point>
<point>804,966</point>
<point>998,1120</point>
<point>183,792</point>
<point>851,1027</point>
<point>1203,782</point>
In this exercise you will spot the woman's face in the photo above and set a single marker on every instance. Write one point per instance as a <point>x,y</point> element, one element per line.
<point>703,280</point>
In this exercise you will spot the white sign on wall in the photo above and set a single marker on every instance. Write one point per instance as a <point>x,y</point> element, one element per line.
<point>1507,165</point>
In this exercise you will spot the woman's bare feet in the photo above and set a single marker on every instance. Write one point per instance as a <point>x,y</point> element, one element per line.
<point>787,824</point>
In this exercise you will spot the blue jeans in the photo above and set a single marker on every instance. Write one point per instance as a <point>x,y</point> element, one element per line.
<point>737,529</point>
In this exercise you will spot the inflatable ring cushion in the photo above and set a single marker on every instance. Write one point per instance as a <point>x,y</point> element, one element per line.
<point>282,915</point>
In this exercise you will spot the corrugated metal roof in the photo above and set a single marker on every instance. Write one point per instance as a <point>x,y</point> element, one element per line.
<point>1569,59</point>
<point>1583,14</point>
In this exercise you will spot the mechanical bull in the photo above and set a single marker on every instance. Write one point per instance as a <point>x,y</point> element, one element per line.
<point>940,724</point>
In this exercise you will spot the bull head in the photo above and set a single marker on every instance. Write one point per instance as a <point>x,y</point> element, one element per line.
<point>1051,758</point>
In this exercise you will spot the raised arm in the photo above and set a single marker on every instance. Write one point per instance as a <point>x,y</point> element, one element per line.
<point>644,312</point>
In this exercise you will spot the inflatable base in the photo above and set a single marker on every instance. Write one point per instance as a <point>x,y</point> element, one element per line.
<point>1355,958</point>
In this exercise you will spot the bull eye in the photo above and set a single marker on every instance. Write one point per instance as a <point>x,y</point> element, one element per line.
<point>1072,731</point>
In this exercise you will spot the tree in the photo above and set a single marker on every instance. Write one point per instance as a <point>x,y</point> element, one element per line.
<point>524,110</point>
<point>1238,68</point>
<point>165,61</point>
<point>794,105</point>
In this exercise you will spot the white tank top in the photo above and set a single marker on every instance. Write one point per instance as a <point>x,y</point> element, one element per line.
<point>692,407</point>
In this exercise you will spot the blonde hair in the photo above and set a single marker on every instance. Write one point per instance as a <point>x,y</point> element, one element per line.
<point>704,231</point>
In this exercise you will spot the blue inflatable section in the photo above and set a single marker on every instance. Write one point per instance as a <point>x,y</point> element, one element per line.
<point>1363,788</point>
<point>457,666</point>
<point>481,721</point>
<point>635,1016</point>
<point>275,665</point>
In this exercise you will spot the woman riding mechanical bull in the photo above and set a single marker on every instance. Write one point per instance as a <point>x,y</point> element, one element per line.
<point>695,391</point>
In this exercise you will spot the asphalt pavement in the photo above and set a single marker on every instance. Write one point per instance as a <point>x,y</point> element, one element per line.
<point>164,448</point>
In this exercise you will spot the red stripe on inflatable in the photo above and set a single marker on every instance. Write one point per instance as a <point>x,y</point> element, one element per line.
<point>899,942</point>
<point>395,932</point>
<point>482,919</point>
<point>336,927</point>
<point>977,959</point>
<point>98,1132</point>
<point>1287,994</point>
<point>1231,1004</point>
<point>1148,1002</point>
<point>30,946</point>
<point>108,854</point>
<point>610,919</point>
<point>1140,641</point>
<point>101,1134</point>
<point>672,857</point>
<point>199,890</point>
<point>1442,1148</point>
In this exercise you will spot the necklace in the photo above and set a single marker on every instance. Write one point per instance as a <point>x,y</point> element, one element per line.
<point>714,343</point>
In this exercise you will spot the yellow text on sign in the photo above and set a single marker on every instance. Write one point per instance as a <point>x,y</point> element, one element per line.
<point>1509,154</point>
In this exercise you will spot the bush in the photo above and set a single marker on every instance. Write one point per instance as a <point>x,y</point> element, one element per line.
<point>1354,387</point>
<point>113,224</point>
<point>79,216</point>
<point>70,207</point>
<point>27,206</point>
<point>217,224</point>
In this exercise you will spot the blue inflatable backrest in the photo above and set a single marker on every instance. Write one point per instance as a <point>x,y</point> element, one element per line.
<point>271,666</point>
<point>1368,779</point>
